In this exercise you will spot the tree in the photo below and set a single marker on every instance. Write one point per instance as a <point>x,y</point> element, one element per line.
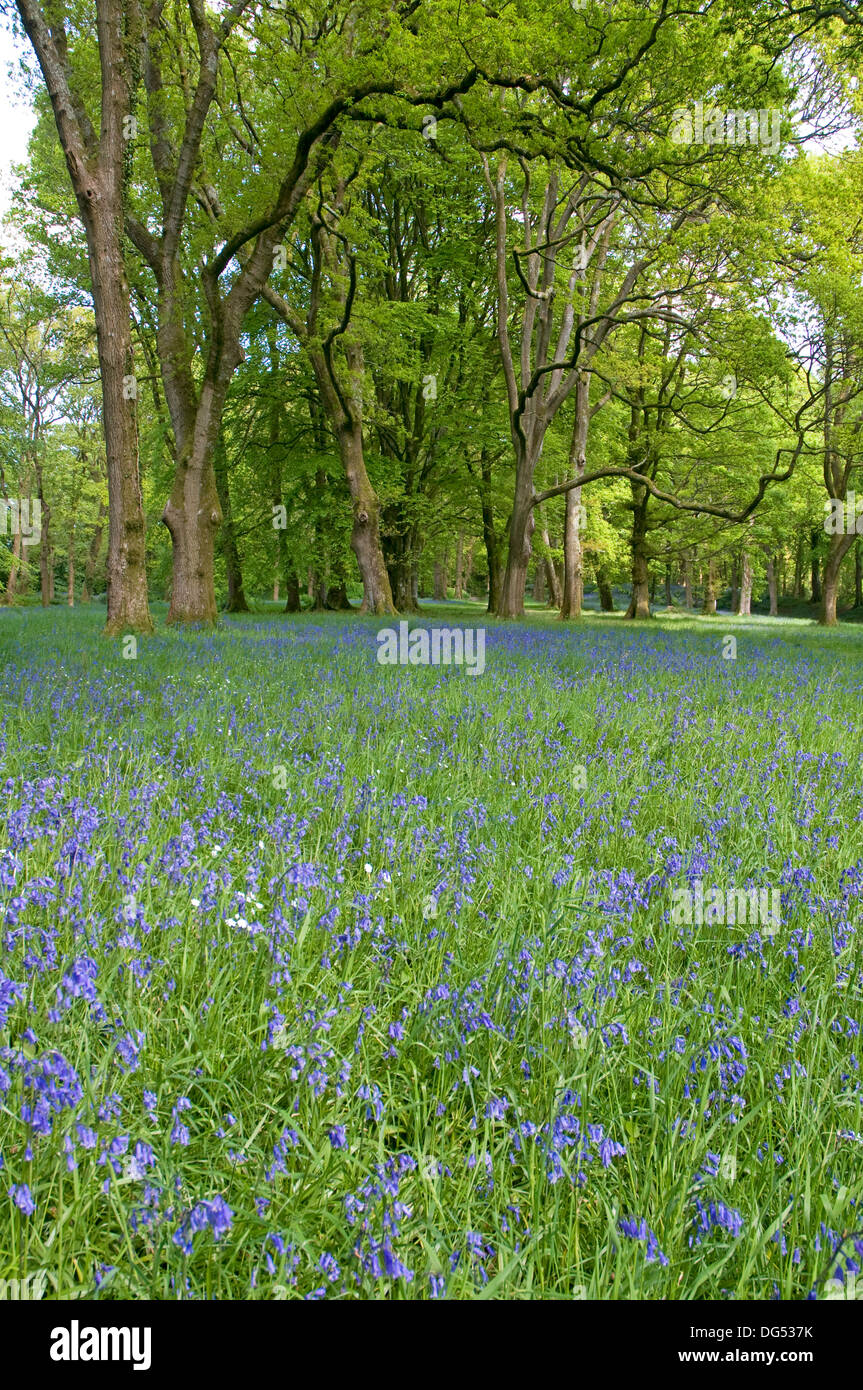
<point>97,170</point>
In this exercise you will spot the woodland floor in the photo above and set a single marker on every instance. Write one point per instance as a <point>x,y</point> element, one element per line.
<point>324,978</point>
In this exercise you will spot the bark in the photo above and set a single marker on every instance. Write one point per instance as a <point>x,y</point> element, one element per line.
<point>96,168</point>
<point>459,566</point>
<point>273,441</point>
<point>125,571</point>
<point>400,554</point>
<point>555,595</point>
<point>93,554</point>
<point>839,547</point>
<point>70,580</point>
<point>46,553</point>
<point>293,604</point>
<point>490,536</point>
<point>539,583</point>
<point>365,533</point>
<point>337,600</point>
<point>228,537</point>
<point>573,558</point>
<point>668,598</point>
<point>710,588</point>
<point>687,581</point>
<point>744,608</point>
<point>606,597</point>
<point>735,585</point>
<point>467,571</point>
<point>814,538</point>
<point>858,576</point>
<point>193,516</point>
<point>639,603</point>
<point>521,525</point>
<point>772,590</point>
<point>402,587</point>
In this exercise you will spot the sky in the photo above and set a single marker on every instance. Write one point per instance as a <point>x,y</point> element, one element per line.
<point>16,121</point>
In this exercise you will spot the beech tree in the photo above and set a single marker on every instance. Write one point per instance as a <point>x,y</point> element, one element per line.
<point>98,169</point>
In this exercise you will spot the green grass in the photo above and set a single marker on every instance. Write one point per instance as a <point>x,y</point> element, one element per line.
<point>510,945</point>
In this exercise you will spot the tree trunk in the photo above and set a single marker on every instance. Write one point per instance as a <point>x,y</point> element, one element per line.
<point>193,516</point>
<point>814,538</point>
<point>639,603</point>
<point>772,589</point>
<point>744,608</point>
<point>573,558</point>
<point>467,567</point>
<point>521,526</point>
<point>710,588</point>
<point>275,469</point>
<point>400,553</point>
<point>858,576</point>
<point>490,538</point>
<point>735,586</point>
<point>45,549</point>
<point>293,604</point>
<point>555,596</point>
<point>539,583</point>
<point>228,537</point>
<point>96,173</point>
<point>573,572</point>
<point>402,586</point>
<point>606,597</point>
<point>125,571</point>
<point>459,566</point>
<point>365,534</point>
<point>839,547</point>
<point>70,579</point>
<point>687,581</point>
<point>93,554</point>
<point>337,600</point>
